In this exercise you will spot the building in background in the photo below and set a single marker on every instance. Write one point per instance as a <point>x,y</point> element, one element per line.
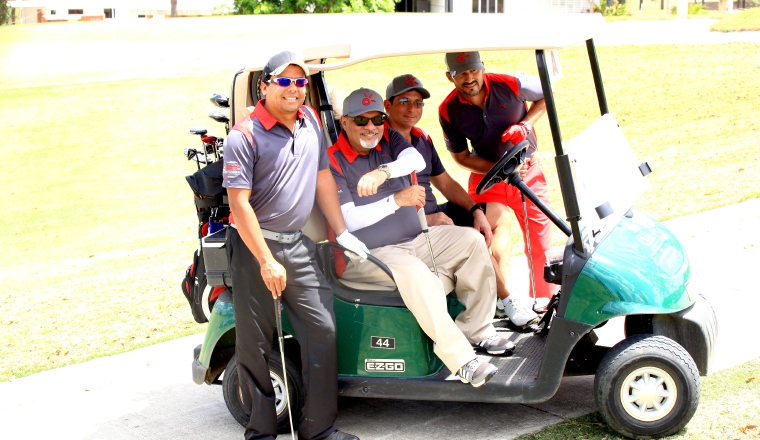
<point>41,11</point>
<point>494,6</point>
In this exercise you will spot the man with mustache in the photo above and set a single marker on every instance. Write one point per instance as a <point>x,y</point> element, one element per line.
<point>491,111</point>
<point>275,166</point>
<point>404,102</point>
<point>372,166</point>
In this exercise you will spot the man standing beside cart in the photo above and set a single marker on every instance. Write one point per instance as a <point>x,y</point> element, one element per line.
<point>404,101</point>
<point>275,163</point>
<point>372,166</point>
<point>491,111</point>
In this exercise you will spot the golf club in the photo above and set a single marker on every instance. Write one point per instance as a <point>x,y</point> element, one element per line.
<point>284,370</point>
<point>530,254</point>
<point>424,226</point>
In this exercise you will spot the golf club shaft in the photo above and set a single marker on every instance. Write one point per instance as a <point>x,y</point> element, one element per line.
<point>424,226</point>
<point>530,253</point>
<point>284,370</point>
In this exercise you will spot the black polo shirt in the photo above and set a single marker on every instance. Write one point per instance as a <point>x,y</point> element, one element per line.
<point>348,167</point>
<point>504,106</point>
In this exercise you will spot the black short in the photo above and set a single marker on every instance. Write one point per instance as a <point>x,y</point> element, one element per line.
<point>459,215</point>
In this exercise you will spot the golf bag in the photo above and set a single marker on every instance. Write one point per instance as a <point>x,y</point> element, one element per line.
<point>213,211</point>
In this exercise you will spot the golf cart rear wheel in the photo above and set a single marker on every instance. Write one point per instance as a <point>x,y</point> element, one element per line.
<point>234,399</point>
<point>647,386</point>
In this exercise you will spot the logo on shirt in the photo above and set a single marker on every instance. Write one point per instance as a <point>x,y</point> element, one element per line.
<point>502,105</point>
<point>231,170</point>
<point>368,99</point>
<point>462,57</point>
<point>411,80</point>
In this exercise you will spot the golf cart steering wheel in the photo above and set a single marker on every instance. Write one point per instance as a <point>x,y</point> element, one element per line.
<point>507,165</point>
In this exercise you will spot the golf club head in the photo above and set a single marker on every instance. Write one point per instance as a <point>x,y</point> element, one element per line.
<point>219,117</point>
<point>220,100</point>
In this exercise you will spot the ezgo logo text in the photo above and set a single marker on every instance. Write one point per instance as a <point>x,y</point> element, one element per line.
<point>387,365</point>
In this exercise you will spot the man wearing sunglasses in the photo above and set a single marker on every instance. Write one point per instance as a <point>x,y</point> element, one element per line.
<point>404,102</point>
<point>275,164</point>
<point>372,166</point>
<point>491,111</point>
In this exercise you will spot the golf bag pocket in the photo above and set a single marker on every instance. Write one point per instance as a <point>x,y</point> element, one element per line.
<point>193,286</point>
<point>215,254</point>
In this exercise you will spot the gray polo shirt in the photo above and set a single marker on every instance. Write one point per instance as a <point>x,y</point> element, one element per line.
<point>348,167</point>
<point>278,166</point>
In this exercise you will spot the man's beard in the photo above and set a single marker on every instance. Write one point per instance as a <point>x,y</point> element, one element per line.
<point>369,144</point>
<point>474,92</point>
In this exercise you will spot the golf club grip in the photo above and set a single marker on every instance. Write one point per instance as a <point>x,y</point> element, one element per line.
<point>420,209</point>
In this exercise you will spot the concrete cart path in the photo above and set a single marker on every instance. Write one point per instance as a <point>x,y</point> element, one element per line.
<point>148,393</point>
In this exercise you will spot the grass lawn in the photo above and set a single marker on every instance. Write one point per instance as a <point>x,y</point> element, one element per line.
<point>746,20</point>
<point>729,408</point>
<point>101,224</point>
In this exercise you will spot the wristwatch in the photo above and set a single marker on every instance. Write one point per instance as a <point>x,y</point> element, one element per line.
<point>527,125</point>
<point>384,168</point>
<point>476,207</point>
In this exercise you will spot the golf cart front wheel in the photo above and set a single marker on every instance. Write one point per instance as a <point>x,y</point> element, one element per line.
<point>234,399</point>
<point>647,386</point>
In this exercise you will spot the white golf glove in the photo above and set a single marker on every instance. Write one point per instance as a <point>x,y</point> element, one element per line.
<point>356,250</point>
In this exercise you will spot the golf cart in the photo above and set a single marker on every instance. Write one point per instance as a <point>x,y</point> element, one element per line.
<point>616,262</point>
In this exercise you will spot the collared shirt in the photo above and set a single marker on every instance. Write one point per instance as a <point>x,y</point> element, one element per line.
<point>433,166</point>
<point>279,166</point>
<point>504,106</point>
<point>348,166</point>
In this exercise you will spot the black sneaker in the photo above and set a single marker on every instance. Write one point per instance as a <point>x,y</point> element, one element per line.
<point>476,372</point>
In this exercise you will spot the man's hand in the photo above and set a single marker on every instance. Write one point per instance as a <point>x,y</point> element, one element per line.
<point>480,223</point>
<point>356,250</point>
<point>516,133</point>
<point>369,182</point>
<point>410,196</point>
<point>439,219</point>
<point>274,277</point>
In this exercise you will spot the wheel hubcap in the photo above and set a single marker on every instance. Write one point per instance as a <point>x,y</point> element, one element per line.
<point>648,394</point>
<point>280,404</point>
<point>279,393</point>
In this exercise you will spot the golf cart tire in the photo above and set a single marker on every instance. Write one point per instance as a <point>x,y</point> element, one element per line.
<point>231,392</point>
<point>649,356</point>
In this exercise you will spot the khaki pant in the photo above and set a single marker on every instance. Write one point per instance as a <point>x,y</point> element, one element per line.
<point>464,265</point>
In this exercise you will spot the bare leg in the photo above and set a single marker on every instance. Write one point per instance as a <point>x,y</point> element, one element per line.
<point>500,218</point>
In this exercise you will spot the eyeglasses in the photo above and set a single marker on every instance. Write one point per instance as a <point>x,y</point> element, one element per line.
<point>362,121</point>
<point>285,82</point>
<point>406,102</point>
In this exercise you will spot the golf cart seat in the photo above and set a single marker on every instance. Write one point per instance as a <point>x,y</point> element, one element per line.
<point>351,291</point>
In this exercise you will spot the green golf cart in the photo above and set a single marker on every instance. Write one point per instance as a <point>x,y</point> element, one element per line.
<point>616,262</point>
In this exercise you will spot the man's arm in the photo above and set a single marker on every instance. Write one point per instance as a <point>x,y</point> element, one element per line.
<point>472,162</point>
<point>454,193</point>
<point>407,161</point>
<point>536,111</point>
<point>327,198</point>
<point>247,225</point>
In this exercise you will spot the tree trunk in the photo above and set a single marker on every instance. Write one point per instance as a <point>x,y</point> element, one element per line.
<point>174,8</point>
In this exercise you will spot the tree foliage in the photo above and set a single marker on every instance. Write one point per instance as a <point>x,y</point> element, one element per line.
<point>5,12</point>
<point>248,7</point>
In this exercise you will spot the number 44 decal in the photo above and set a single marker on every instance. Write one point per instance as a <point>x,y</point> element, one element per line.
<point>381,342</point>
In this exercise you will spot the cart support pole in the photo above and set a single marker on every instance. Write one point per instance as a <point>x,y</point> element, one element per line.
<point>597,72</point>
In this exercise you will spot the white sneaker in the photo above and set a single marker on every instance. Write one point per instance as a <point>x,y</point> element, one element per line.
<point>520,315</point>
<point>476,372</point>
<point>500,312</point>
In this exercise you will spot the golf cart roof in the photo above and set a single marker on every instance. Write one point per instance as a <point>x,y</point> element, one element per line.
<point>349,37</point>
